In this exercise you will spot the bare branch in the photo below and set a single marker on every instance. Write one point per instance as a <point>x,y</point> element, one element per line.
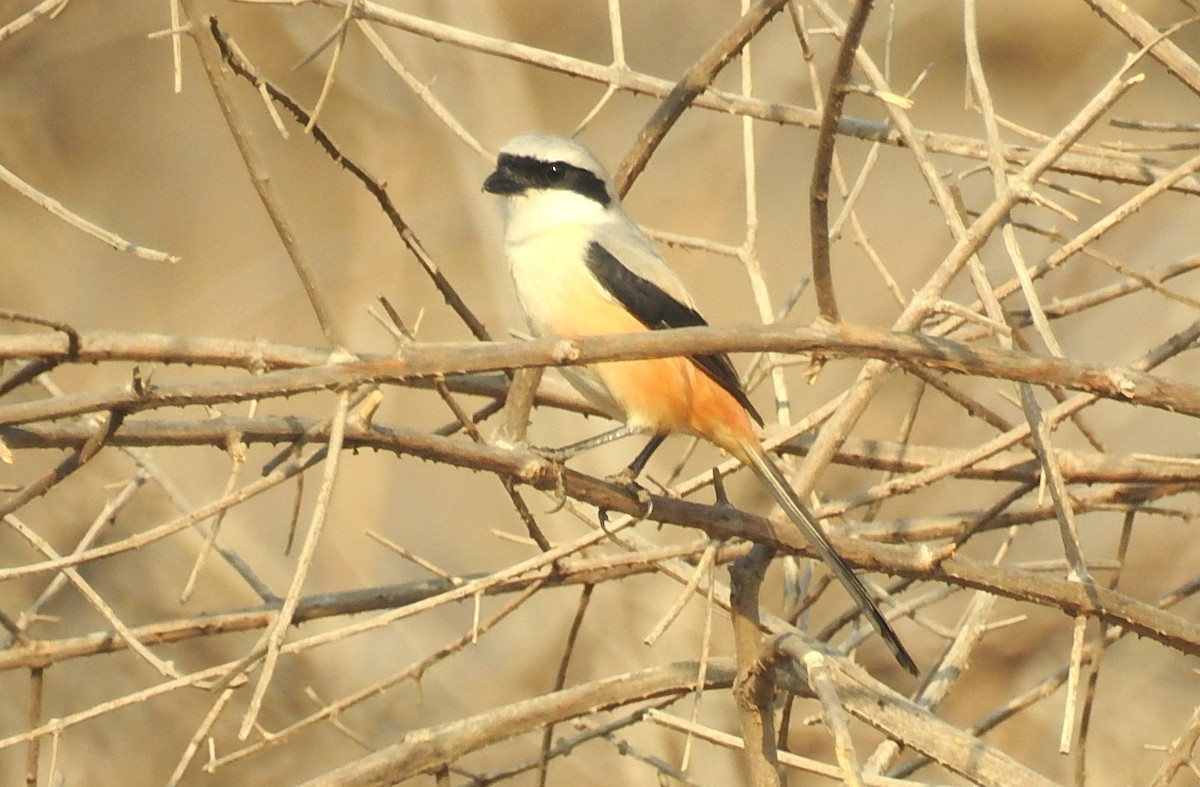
<point>818,195</point>
<point>438,746</point>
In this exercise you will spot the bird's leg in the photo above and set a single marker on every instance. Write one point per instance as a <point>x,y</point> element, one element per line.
<point>628,477</point>
<point>574,449</point>
<point>629,474</point>
<point>625,477</point>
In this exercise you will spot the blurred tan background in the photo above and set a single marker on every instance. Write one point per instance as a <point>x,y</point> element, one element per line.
<point>88,116</point>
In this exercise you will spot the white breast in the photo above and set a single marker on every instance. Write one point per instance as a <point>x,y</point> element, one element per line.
<point>549,271</point>
<point>557,293</point>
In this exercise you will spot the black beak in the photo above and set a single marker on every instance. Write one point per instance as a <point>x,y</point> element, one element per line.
<point>502,182</point>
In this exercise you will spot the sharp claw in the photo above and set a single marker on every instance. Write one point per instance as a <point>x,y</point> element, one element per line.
<point>560,490</point>
<point>631,486</point>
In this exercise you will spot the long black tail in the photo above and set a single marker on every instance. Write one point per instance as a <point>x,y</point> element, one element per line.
<point>768,472</point>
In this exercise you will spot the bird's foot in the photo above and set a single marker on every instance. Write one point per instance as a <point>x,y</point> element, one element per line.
<point>626,481</point>
<point>559,455</point>
<point>626,478</point>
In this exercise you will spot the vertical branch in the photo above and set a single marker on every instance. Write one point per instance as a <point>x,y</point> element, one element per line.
<point>1000,184</point>
<point>1099,646</point>
<point>585,598</point>
<point>850,192</point>
<point>837,721</point>
<point>818,198</point>
<point>514,418</point>
<point>748,254</point>
<point>754,687</point>
<point>1038,427</point>
<point>1052,473</point>
<point>33,752</point>
<point>617,34</point>
<point>705,653</point>
<point>237,457</point>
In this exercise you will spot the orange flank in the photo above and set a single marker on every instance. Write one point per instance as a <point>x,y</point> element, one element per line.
<point>674,395</point>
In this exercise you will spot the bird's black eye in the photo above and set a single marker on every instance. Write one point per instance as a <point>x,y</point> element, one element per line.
<point>556,172</point>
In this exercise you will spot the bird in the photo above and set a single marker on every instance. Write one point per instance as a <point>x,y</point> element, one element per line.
<point>581,267</point>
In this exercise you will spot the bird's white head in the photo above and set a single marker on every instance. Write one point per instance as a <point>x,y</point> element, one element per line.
<point>550,180</point>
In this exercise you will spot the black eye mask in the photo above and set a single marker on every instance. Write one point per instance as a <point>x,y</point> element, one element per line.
<point>517,174</point>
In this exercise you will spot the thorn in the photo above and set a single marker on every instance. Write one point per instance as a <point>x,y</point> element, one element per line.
<point>719,489</point>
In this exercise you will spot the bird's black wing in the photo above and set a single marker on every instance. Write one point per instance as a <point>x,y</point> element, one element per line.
<point>656,309</point>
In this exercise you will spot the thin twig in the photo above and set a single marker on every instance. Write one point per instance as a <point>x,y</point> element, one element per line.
<point>273,638</point>
<point>1179,754</point>
<point>101,520</point>
<point>203,33</point>
<point>1140,31</point>
<point>421,91</point>
<point>788,759</point>
<point>413,672</point>
<point>164,668</point>
<point>56,208</point>
<point>338,37</point>
<point>818,194</point>
<point>685,595</point>
<point>43,10</point>
<point>694,81</point>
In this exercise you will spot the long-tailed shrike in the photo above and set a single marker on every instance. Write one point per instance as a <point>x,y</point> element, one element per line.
<point>582,267</point>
